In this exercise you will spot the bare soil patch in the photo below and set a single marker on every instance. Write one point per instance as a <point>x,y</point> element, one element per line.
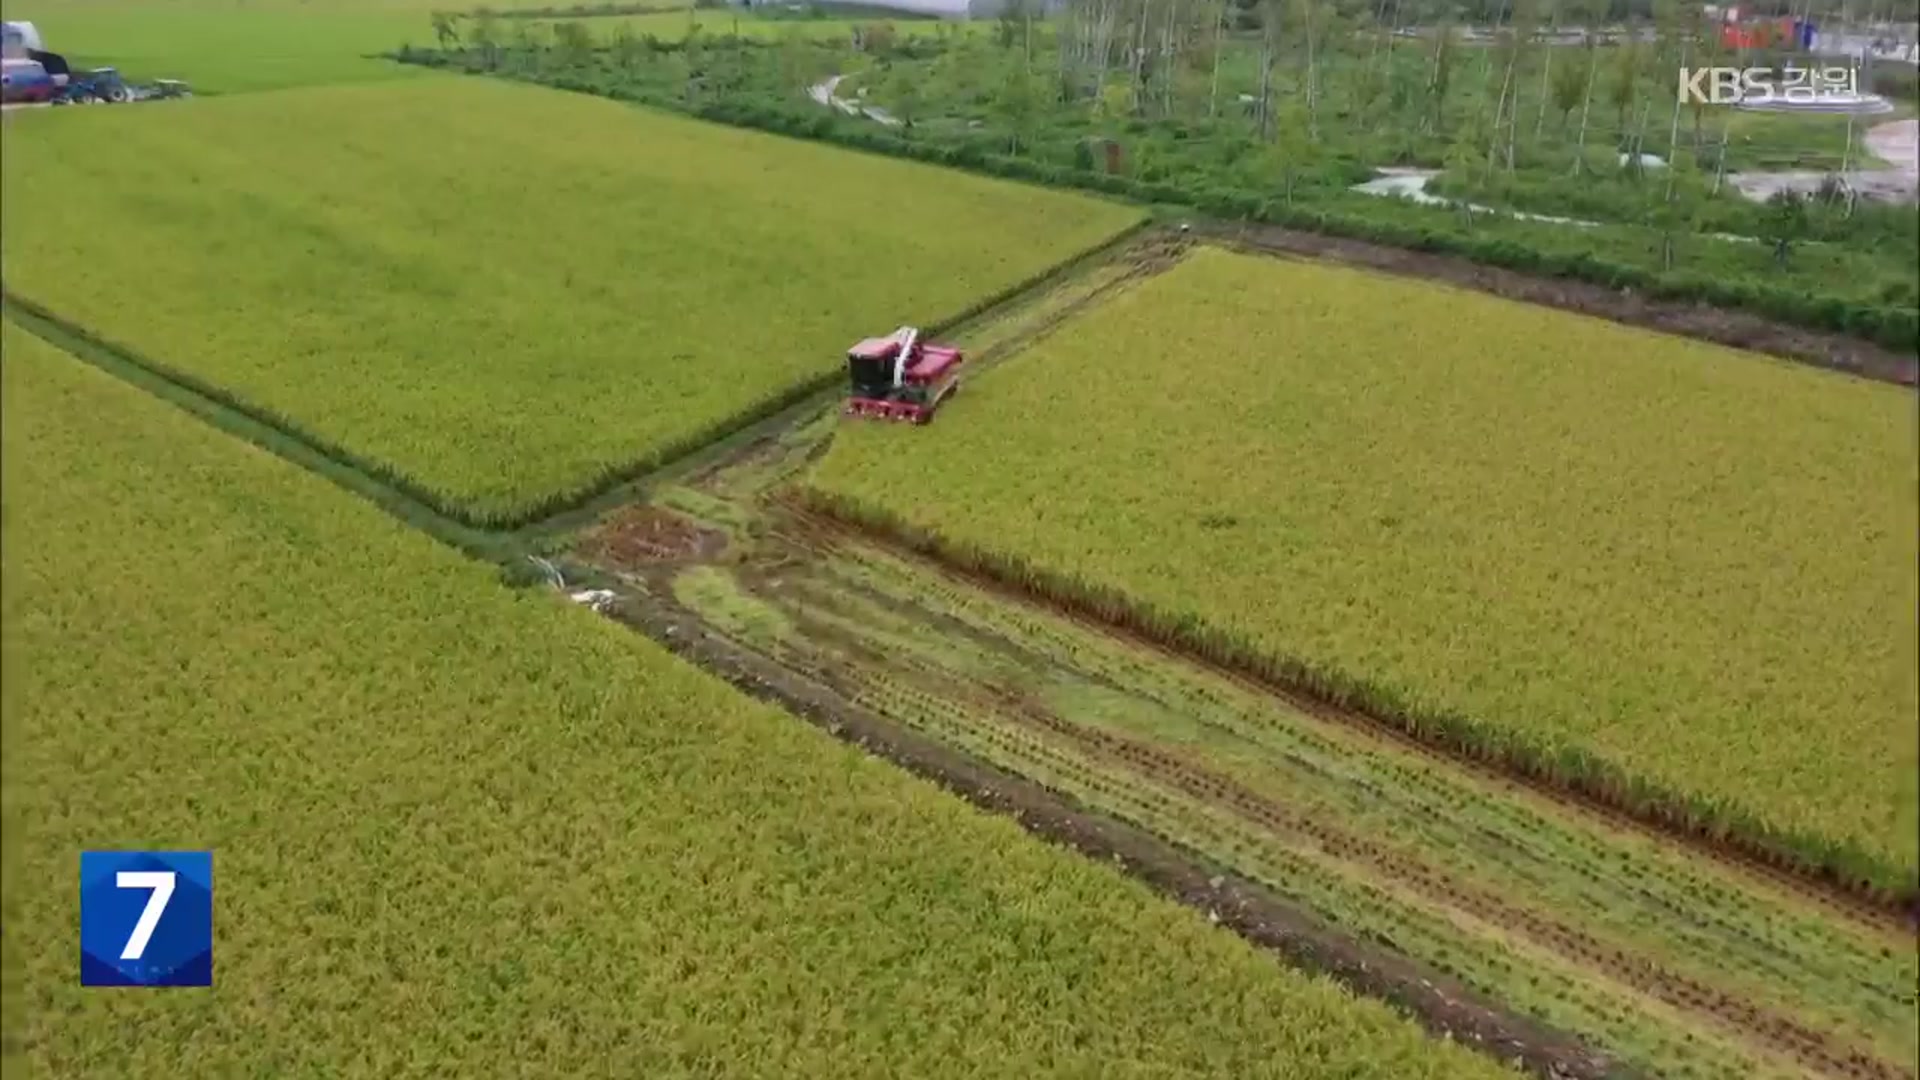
<point>640,536</point>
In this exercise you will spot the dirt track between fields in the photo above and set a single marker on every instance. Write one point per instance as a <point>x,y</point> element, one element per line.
<point>1440,1004</point>
<point>825,683</point>
<point>1896,917</point>
<point>1896,143</point>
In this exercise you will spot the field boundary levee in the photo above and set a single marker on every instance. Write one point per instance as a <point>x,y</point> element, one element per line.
<point>257,428</point>
<point>486,536</point>
<point>1851,876</point>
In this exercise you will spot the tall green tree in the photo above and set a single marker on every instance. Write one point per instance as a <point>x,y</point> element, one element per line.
<point>572,42</point>
<point>1546,71</point>
<point>1439,78</point>
<point>446,30</point>
<point>905,98</point>
<point>1272,14</point>
<point>1011,25</point>
<point>1017,102</point>
<point>1787,221</point>
<point>1569,86</point>
<point>1624,88</point>
<point>1293,147</point>
<point>626,47</point>
<point>486,38</point>
<point>1515,44</point>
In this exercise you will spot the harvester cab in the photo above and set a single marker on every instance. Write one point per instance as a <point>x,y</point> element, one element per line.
<point>900,377</point>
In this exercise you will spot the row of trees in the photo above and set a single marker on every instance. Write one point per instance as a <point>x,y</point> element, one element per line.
<point>1313,79</point>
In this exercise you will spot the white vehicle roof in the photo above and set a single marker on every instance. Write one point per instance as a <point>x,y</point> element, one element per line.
<point>17,37</point>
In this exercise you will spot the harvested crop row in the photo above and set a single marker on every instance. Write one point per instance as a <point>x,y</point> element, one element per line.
<point>500,296</point>
<point>1653,567</point>
<point>457,825</point>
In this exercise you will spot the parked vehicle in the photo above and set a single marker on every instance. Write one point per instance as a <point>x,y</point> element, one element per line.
<point>24,81</point>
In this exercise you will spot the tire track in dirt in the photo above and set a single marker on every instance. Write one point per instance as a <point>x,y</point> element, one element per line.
<point>833,589</point>
<point>1738,1016</point>
<point>1741,1018</point>
<point>1897,920</point>
<point>1810,1048</point>
<point>1442,1005</point>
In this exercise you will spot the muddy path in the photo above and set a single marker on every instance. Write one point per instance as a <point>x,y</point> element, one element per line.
<point>1574,939</point>
<point>1896,143</point>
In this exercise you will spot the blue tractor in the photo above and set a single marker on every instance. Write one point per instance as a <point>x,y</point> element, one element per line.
<point>35,76</point>
<point>87,87</point>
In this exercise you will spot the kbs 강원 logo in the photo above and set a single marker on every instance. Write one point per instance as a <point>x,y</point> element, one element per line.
<point>146,918</point>
<point>1763,86</point>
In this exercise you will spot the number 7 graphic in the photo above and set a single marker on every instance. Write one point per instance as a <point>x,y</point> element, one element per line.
<point>146,918</point>
<point>161,882</point>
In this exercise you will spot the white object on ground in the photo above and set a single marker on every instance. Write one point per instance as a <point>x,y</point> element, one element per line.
<point>597,599</point>
<point>823,93</point>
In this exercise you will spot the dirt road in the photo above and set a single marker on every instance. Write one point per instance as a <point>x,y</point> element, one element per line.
<point>1897,143</point>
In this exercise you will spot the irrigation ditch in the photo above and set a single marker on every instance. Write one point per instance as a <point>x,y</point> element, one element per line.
<point>1547,929</point>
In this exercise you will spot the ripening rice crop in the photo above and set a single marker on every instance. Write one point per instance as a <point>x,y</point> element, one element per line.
<point>456,826</point>
<point>1678,575</point>
<point>499,295</point>
<point>231,46</point>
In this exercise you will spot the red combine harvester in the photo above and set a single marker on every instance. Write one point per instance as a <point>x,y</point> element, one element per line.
<point>900,377</point>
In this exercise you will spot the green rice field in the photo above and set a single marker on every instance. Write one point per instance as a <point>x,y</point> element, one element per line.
<point>499,295</point>
<point>1658,567</point>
